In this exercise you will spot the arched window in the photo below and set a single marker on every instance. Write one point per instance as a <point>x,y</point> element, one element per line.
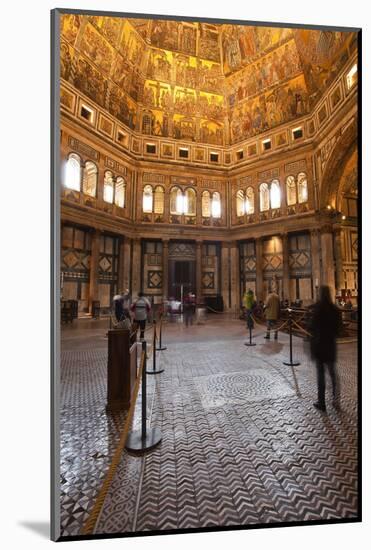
<point>190,202</point>
<point>264,197</point>
<point>120,188</point>
<point>108,187</point>
<point>205,204</point>
<point>73,172</point>
<point>147,198</point>
<point>159,199</point>
<point>275,194</point>
<point>302,187</point>
<point>89,179</point>
<point>290,190</point>
<point>216,208</point>
<point>176,201</point>
<point>249,201</point>
<point>240,203</point>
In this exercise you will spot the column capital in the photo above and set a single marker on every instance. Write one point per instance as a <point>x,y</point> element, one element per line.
<point>326,228</point>
<point>314,231</point>
<point>284,235</point>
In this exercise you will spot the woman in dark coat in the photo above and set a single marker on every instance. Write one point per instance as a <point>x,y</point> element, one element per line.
<point>325,327</point>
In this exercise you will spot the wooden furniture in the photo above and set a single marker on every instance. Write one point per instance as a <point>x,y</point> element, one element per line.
<point>121,369</point>
<point>66,311</point>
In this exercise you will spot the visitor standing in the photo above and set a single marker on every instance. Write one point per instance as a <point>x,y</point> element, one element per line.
<point>141,308</point>
<point>249,303</point>
<point>272,312</point>
<point>325,327</point>
<point>189,306</point>
<point>120,317</point>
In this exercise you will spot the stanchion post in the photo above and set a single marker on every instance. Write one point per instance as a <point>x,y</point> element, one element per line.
<point>291,363</point>
<point>250,342</point>
<point>143,439</point>
<point>154,370</point>
<point>144,391</point>
<point>160,346</point>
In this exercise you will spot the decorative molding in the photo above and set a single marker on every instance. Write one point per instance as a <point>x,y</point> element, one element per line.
<point>153,177</point>
<point>268,174</point>
<point>295,167</point>
<point>83,148</point>
<point>116,166</point>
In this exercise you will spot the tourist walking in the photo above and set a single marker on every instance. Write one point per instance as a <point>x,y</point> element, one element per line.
<point>189,306</point>
<point>141,308</point>
<point>272,313</point>
<point>325,327</point>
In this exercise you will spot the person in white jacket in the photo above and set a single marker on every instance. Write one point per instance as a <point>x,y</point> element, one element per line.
<point>141,308</point>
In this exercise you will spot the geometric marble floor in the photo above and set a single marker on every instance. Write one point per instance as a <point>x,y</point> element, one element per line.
<point>241,442</point>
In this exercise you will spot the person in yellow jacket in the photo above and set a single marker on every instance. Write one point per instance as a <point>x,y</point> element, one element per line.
<point>248,302</point>
<point>272,313</point>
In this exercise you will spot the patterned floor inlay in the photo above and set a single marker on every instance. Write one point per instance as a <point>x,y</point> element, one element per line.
<point>242,442</point>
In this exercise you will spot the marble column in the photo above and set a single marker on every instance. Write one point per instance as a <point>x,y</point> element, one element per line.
<point>165,269</point>
<point>94,270</point>
<point>316,265</point>
<point>327,254</point>
<point>225,271</point>
<point>235,275</point>
<point>338,260</point>
<point>259,268</point>
<point>136,267</point>
<point>286,267</point>
<point>120,278</point>
<point>126,264</point>
<point>198,271</point>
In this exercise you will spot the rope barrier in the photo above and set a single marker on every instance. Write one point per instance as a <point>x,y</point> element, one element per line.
<point>214,310</point>
<point>261,322</point>
<point>301,328</point>
<point>89,525</point>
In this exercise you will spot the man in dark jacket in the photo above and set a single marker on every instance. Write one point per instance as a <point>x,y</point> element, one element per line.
<point>272,313</point>
<point>325,327</point>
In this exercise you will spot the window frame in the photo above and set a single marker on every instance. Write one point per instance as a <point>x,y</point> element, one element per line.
<point>118,180</point>
<point>105,185</point>
<point>148,210</point>
<point>73,156</point>
<point>267,188</point>
<point>219,199</point>
<point>96,179</point>
<point>275,183</point>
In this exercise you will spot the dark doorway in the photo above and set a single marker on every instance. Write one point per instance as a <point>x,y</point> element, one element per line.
<point>182,277</point>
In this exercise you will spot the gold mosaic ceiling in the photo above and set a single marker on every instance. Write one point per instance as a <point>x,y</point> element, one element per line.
<point>216,84</point>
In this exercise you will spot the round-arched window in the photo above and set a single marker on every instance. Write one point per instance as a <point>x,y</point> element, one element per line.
<point>240,203</point>
<point>73,172</point>
<point>264,197</point>
<point>290,190</point>
<point>89,179</point>
<point>302,187</point>
<point>159,199</point>
<point>216,207</point>
<point>176,201</point>
<point>249,201</point>
<point>108,189</point>
<point>147,198</point>
<point>205,204</point>
<point>275,193</point>
<point>190,202</point>
<point>120,188</point>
